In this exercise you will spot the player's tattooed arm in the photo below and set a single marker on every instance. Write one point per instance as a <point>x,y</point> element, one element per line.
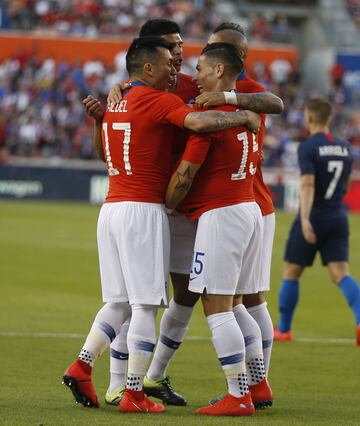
<point>307,191</point>
<point>95,110</point>
<point>262,103</point>
<point>180,183</point>
<point>212,121</point>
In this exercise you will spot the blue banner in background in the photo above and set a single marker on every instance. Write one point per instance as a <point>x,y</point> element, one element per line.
<point>52,183</point>
<point>70,184</point>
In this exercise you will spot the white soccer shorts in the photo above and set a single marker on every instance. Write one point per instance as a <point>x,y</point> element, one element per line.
<point>227,251</point>
<point>134,245</point>
<point>182,234</point>
<point>266,251</point>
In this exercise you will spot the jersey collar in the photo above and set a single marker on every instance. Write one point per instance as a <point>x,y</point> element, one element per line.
<point>241,76</point>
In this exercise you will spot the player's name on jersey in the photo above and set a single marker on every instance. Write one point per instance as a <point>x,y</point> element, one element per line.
<point>119,107</point>
<point>335,150</point>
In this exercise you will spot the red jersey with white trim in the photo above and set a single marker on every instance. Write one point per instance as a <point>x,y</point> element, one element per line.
<point>229,160</point>
<point>137,136</point>
<point>245,84</point>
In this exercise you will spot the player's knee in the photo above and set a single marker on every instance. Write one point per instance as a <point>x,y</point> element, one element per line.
<point>338,270</point>
<point>182,296</point>
<point>292,271</point>
<point>250,300</point>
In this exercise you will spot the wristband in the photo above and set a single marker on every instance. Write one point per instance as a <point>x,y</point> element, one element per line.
<point>168,211</point>
<point>230,98</point>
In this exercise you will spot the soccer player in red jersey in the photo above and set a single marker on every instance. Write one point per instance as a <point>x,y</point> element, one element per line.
<point>133,230</point>
<point>255,303</point>
<point>229,231</point>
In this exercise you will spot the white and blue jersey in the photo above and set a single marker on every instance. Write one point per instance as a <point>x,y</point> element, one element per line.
<point>329,159</point>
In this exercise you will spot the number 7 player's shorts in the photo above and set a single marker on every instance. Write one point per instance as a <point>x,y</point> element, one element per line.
<point>227,251</point>
<point>134,245</point>
<point>332,232</point>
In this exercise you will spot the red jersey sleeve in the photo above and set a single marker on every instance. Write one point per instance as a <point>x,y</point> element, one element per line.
<point>196,149</point>
<point>170,108</point>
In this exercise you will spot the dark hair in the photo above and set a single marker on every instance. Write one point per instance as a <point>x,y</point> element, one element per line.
<point>230,26</point>
<point>142,50</point>
<point>158,27</point>
<point>320,109</point>
<point>226,53</point>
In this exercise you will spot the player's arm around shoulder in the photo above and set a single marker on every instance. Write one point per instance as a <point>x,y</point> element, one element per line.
<point>262,102</point>
<point>214,120</point>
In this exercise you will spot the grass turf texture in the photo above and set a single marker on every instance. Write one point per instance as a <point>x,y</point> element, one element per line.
<point>50,284</point>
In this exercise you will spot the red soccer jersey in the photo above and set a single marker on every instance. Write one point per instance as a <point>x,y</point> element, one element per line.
<point>245,84</point>
<point>137,136</point>
<point>227,175</point>
<point>186,88</point>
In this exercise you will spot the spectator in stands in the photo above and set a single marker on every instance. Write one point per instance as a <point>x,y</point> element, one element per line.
<point>282,32</point>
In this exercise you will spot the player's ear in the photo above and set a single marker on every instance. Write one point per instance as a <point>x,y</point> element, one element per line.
<point>219,70</point>
<point>148,68</point>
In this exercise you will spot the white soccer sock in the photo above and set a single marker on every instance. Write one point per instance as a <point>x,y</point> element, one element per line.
<point>119,356</point>
<point>230,348</point>
<point>141,342</point>
<point>173,326</point>
<point>253,344</point>
<point>261,315</point>
<point>105,327</point>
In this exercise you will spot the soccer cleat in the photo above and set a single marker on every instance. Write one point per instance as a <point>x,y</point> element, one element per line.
<point>77,378</point>
<point>261,394</point>
<point>230,406</point>
<point>280,336</point>
<point>215,400</point>
<point>115,397</point>
<point>357,342</point>
<point>162,389</point>
<point>130,404</point>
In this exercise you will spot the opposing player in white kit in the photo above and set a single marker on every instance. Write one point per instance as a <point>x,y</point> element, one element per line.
<point>133,233</point>
<point>228,237</point>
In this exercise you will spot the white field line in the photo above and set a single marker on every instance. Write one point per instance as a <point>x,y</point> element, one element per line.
<point>46,335</point>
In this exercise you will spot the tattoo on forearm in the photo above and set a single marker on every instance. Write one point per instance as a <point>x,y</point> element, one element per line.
<point>184,180</point>
<point>263,103</point>
<point>219,120</point>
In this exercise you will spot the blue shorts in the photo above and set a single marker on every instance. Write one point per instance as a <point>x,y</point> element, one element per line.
<point>332,232</point>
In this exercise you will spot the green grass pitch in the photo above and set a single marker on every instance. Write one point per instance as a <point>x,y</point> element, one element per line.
<point>50,294</point>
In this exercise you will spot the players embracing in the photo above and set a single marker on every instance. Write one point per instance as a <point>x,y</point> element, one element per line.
<point>176,318</point>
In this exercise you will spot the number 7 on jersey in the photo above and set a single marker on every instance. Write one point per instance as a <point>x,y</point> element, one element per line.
<point>126,127</point>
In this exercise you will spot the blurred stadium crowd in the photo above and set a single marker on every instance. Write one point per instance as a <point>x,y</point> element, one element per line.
<point>354,9</point>
<point>41,113</point>
<point>92,18</point>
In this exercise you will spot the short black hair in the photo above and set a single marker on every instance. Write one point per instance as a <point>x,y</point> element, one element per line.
<point>230,26</point>
<point>226,53</point>
<point>158,27</point>
<point>142,50</point>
